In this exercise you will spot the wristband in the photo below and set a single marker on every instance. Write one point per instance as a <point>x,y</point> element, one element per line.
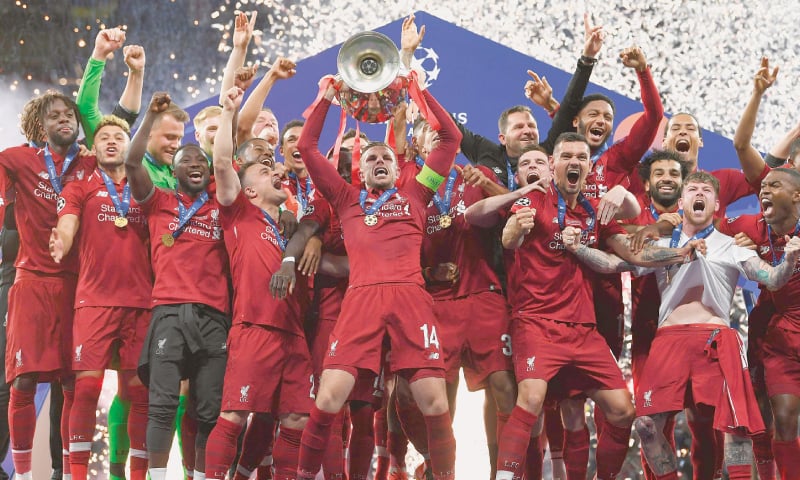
<point>288,259</point>
<point>588,61</point>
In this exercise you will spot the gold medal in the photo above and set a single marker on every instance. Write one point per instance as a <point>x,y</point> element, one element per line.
<point>445,221</point>
<point>371,220</point>
<point>168,240</point>
<point>121,222</point>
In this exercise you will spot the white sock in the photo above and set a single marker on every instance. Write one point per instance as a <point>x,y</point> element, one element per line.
<point>24,476</point>
<point>66,476</point>
<point>157,473</point>
<point>199,475</point>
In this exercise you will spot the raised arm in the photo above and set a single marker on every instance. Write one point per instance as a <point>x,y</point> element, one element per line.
<point>410,40</point>
<point>228,186</point>
<point>282,68</point>
<point>441,158</point>
<point>518,225</point>
<point>780,152</point>
<point>326,178</point>
<point>242,32</point>
<point>131,99</point>
<point>486,213</point>
<point>752,163</point>
<point>776,277</point>
<point>63,236</point>
<point>107,41</point>
<point>141,185</point>
<point>617,204</point>
<point>644,130</point>
<point>594,35</point>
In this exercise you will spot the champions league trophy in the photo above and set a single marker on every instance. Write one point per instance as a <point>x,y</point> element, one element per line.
<point>374,80</point>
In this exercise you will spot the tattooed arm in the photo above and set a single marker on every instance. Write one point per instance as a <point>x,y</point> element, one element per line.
<point>776,277</point>
<point>623,259</point>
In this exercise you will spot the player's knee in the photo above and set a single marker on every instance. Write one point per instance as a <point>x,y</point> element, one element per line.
<point>738,450</point>
<point>237,417</point>
<point>645,427</point>
<point>295,421</point>
<point>785,424</point>
<point>530,400</point>
<point>26,382</point>
<point>504,390</point>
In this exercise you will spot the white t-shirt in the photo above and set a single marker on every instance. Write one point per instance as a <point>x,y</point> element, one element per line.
<point>717,272</point>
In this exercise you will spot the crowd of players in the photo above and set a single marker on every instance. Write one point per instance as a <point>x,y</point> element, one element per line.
<point>305,315</point>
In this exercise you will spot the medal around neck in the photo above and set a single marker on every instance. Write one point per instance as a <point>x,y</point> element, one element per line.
<point>168,240</point>
<point>370,220</point>
<point>121,222</point>
<point>445,221</point>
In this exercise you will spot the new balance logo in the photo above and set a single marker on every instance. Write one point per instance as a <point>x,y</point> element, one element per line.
<point>102,193</point>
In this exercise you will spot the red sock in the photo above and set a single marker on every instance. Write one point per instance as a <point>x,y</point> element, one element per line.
<point>66,411</point>
<point>612,447</point>
<point>599,420</point>
<point>257,441</point>
<point>380,428</point>
<point>312,446</point>
<point>502,419</point>
<point>514,443</point>
<point>287,448</point>
<point>397,445</point>
<point>21,426</point>
<point>82,423</point>
<point>703,448</point>
<point>576,453</point>
<point>555,432</point>
<point>362,443</point>
<point>413,423</point>
<point>137,430</point>
<point>264,470</point>
<point>221,448</point>
<point>740,472</point>
<point>442,445</point>
<point>534,460</point>
<point>333,459</point>
<point>188,436</point>
<point>787,456</point>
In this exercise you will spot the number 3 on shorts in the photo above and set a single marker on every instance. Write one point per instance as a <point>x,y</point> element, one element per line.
<point>431,339</point>
<point>506,339</point>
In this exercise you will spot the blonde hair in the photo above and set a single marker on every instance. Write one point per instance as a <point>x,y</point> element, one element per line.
<point>114,121</point>
<point>211,111</point>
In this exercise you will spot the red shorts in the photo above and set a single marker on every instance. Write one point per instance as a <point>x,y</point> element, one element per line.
<point>268,371</point>
<point>478,337</point>
<point>781,357</point>
<point>757,322</point>
<point>404,312</point>
<point>544,347</point>
<point>100,332</point>
<point>39,328</point>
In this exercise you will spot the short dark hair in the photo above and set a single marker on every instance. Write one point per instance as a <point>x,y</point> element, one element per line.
<point>378,144</point>
<point>290,124</point>
<point>187,146</point>
<point>534,147</point>
<point>351,133</point>
<point>696,122</point>
<point>792,173</point>
<point>659,155</point>
<point>502,122</point>
<point>703,177</point>
<point>593,97</point>
<point>570,137</point>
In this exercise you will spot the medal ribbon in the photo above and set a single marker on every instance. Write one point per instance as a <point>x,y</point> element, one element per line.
<point>443,203</point>
<point>302,198</point>
<point>184,214</point>
<point>676,235</point>
<point>512,182</point>
<point>362,200</point>
<point>276,230</point>
<point>777,261</point>
<point>584,202</point>
<point>55,178</point>
<point>656,215</point>
<point>121,206</point>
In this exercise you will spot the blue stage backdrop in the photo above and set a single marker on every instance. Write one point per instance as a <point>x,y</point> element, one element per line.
<point>475,79</point>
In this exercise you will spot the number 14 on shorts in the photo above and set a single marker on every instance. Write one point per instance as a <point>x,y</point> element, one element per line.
<point>429,337</point>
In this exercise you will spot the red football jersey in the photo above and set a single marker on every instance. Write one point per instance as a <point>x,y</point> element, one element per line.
<point>115,266</point>
<point>328,291</point>
<point>195,268</point>
<point>770,249</point>
<point>36,204</point>
<point>255,254</point>
<point>550,282</point>
<point>467,246</point>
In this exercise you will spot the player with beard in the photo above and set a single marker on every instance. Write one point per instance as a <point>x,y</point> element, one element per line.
<point>297,182</point>
<point>693,320</point>
<point>784,405</point>
<point>112,311</point>
<point>40,313</point>
<point>188,330</point>
<point>390,223</point>
<point>552,296</point>
<point>275,382</point>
